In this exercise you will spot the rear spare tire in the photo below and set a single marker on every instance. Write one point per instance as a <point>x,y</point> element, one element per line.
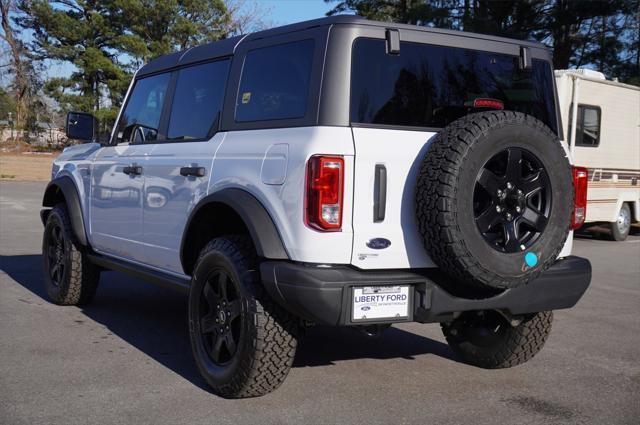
<point>494,199</point>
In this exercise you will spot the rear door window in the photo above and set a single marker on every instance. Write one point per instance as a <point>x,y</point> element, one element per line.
<point>140,119</point>
<point>431,86</point>
<point>275,82</point>
<point>197,101</point>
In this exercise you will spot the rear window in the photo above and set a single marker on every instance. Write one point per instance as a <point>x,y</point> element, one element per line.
<point>275,82</point>
<point>431,86</point>
<point>198,100</point>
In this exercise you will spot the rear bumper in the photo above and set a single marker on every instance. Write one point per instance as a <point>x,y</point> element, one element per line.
<point>323,294</point>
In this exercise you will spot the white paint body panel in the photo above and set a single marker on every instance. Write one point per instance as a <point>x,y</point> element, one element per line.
<point>401,152</point>
<point>147,226</point>
<point>253,160</point>
<point>169,198</point>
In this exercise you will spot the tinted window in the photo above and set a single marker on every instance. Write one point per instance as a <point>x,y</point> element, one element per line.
<point>197,100</point>
<point>275,82</point>
<point>588,126</point>
<point>141,117</point>
<point>431,86</point>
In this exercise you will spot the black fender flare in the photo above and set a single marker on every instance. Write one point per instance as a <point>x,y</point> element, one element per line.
<point>259,223</point>
<point>69,191</point>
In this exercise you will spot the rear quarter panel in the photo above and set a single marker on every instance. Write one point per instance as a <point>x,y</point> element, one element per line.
<point>253,160</point>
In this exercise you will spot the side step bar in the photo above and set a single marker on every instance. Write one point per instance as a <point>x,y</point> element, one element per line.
<point>150,275</point>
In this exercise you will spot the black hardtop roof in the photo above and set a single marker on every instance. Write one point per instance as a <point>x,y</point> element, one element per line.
<point>227,47</point>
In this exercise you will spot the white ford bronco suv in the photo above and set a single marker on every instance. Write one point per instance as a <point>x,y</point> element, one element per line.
<point>338,172</point>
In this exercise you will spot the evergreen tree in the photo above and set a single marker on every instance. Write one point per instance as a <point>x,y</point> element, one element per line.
<point>601,34</point>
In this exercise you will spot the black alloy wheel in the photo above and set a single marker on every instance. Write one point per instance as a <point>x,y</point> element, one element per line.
<point>243,342</point>
<point>220,317</point>
<point>69,276</point>
<point>56,255</point>
<point>494,199</point>
<point>512,200</point>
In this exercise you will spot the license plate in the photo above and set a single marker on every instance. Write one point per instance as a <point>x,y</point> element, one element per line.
<point>380,302</point>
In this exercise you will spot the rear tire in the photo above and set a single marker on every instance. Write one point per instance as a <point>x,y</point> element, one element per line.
<point>69,277</point>
<point>487,340</point>
<point>242,341</point>
<point>622,226</point>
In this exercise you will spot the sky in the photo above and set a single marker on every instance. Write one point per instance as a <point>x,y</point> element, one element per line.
<point>292,11</point>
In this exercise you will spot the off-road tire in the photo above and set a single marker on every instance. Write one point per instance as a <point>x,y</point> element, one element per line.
<point>267,346</point>
<point>444,199</point>
<point>80,277</point>
<point>516,345</point>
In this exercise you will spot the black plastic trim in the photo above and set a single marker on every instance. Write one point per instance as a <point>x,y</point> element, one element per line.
<point>70,192</point>
<point>379,193</point>
<point>322,294</point>
<point>525,58</point>
<point>393,41</point>
<point>262,229</point>
<point>203,53</point>
<point>150,275</point>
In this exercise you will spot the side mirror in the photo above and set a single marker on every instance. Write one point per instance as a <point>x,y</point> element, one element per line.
<point>81,126</point>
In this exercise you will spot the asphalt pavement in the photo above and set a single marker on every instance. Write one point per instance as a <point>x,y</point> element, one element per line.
<point>126,357</point>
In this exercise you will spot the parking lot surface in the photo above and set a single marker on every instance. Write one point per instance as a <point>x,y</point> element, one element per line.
<point>126,357</point>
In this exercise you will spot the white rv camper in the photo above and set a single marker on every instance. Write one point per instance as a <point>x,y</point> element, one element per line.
<point>603,134</point>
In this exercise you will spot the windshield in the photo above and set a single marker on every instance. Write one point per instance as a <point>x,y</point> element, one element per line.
<point>431,86</point>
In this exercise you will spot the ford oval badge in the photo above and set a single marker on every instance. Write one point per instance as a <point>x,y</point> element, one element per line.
<point>379,243</point>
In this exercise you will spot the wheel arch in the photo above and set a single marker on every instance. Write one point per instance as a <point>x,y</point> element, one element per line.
<point>63,189</point>
<point>634,206</point>
<point>239,212</point>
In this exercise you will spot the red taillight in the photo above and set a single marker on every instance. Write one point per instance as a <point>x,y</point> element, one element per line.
<point>488,103</point>
<point>580,180</point>
<point>325,183</point>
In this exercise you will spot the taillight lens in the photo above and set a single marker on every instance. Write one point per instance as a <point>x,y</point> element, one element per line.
<point>325,184</point>
<point>580,180</point>
<point>488,103</point>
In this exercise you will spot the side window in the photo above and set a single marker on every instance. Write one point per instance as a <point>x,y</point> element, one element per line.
<point>197,101</point>
<point>140,119</point>
<point>588,126</point>
<point>275,82</point>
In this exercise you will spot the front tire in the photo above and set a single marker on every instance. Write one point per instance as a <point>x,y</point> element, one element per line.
<point>622,226</point>
<point>243,342</point>
<point>69,277</point>
<point>487,340</point>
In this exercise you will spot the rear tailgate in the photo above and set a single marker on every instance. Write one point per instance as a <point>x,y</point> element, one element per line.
<point>400,152</point>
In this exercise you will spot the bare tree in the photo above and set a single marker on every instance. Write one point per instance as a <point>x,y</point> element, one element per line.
<point>247,16</point>
<point>18,65</point>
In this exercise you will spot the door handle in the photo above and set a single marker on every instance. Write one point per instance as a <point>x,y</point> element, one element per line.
<point>380,193</point>
<point>192,171</point>
<point>132,170</point>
